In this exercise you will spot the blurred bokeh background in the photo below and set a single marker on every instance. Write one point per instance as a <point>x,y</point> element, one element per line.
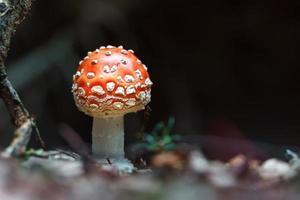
<point>224,69</point>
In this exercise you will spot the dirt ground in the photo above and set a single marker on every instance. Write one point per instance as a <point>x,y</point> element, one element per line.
<point>169,175</point>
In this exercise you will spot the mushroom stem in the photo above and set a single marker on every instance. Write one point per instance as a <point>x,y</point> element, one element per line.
<point>108,137</point>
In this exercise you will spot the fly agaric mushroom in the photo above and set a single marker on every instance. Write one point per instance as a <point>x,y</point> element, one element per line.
<point>109,83</point>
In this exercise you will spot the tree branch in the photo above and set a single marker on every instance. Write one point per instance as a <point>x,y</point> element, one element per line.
<point>12,13</point>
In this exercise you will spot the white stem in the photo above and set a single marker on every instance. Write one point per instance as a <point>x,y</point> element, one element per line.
<point>108,137</point>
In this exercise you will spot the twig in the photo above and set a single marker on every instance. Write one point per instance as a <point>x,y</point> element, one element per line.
<point>12,13</point>
<point>77,144</point>
<point>22,137</point>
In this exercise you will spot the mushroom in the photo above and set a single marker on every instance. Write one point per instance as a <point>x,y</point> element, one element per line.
<point>109,83</point>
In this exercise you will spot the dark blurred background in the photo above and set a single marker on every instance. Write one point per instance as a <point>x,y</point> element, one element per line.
<point>223,69</point>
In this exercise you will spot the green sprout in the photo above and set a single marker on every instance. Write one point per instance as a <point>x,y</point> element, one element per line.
<point>34,152</point>
<point>161,137</point>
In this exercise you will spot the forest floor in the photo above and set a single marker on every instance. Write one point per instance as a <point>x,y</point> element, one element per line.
<point>166,175</point>
<point>166,169</point>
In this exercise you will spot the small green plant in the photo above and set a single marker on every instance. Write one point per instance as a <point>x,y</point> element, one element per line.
<point>34,152</point>
<point>161,137</point>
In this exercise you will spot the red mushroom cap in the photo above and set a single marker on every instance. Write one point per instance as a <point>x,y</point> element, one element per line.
<point>111,81</point>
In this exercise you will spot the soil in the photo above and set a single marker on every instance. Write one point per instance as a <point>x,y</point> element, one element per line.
<point>174,175</point>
